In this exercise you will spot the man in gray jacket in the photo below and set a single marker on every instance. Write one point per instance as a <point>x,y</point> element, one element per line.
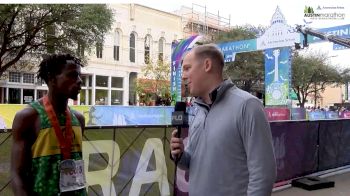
<point>230,150</point>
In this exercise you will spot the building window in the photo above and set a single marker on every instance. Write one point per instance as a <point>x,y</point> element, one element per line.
<point>83,79</point>
<point>117,97</point>
<point>28,78</point>
<point>132,48</point>
<point>102,81</point>
<point>99,49</point>
<point>161,50</point>
<point>147,49</point>
<point>28,95</point>
<point>90,97</point>
<point>117,82</point>
<point>101,97</point>
<point>90,80</point>
<point>82,97</point>
<point>40,82</point>
<point>15,95</point>
<point>116,46</point>
<point>15,77</point>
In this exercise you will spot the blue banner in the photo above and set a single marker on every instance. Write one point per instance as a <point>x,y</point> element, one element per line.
<point>339,47</point>
<point>229,49</point>
<point>298,113</point>
<point>317,115</point>
<point>332,115</point>
<point>129,115</point>
<point>341,31</point>
<point>277,76</point>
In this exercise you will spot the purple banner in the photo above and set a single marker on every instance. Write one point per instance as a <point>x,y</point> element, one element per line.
<point>335,148</point>
<point>295,145</point>
<point>345,114</point>
<point>298,113</point>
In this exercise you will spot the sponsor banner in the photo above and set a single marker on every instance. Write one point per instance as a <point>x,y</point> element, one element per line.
<point>317,115</point>
<point>345,114</point>
<point>324,12</point>
<point>136,161</point>
<point>229,49</point>
<point>277,76</point>
<point>332,115</point>
<point>128,161</point>
<point>8,112</point>
<point>298,113</point>
<point>273,114</point>
<point>341,31</point>
<point>130,115</point>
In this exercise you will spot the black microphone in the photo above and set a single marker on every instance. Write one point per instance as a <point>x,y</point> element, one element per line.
<point>179,118</point>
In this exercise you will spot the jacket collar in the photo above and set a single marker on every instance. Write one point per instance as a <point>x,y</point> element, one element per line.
<point>217,93</point>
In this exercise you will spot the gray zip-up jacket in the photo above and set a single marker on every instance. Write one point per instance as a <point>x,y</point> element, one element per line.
<point>230,150</point>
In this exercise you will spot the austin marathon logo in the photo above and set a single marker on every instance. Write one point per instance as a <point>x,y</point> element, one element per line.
<point>324,12</point>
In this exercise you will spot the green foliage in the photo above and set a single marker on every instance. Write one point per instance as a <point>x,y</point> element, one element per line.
<point>247,71</point>
<point>155,86</point>
<point>311,74</point>
<point>32,30</point>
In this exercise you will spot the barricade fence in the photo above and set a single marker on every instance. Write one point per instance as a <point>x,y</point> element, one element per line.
<point>135,160</point>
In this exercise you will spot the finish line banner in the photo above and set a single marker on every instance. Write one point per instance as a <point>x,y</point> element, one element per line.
<point>277,76</point>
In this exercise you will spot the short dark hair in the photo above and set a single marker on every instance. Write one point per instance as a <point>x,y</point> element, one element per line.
<point>52,65</point>
<point>210,51</point>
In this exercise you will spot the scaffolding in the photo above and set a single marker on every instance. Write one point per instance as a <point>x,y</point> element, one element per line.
<point>197,20</point>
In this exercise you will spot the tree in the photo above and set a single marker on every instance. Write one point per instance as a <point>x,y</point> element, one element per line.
<point>311,74</point>
<point>155,85</point>
<point>345,75</point>
<point>31,30</point>
<point>247,71</point>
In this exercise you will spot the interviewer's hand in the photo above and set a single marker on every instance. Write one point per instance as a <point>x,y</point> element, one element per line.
<point>176,145</point>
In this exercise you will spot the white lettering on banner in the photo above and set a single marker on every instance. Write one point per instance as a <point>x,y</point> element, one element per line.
<point>102,177</point>
<point>242,46</point>
<point>274,114</point>
<point>142,176</point>
<point>234,48</point>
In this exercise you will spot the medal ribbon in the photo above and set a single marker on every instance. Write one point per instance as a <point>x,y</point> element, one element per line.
<point>64,142</point>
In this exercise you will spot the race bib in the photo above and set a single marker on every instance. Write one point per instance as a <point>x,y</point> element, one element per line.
<point>72,175</point>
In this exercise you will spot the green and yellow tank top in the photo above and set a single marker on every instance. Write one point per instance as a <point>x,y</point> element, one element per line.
<point>46,154</point>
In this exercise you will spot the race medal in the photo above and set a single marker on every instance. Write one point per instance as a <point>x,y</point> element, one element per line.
<point>72,175</point>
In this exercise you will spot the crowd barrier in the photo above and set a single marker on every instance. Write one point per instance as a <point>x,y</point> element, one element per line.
<point>135,160</point>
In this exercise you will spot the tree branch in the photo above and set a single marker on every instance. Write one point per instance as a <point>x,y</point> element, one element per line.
<point>6,34</point>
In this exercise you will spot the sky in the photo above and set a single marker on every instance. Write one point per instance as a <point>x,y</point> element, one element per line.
<point>254,12</point>
<point>257,12</point>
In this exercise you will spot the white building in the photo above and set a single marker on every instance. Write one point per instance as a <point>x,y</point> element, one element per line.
<point>139,34</point>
